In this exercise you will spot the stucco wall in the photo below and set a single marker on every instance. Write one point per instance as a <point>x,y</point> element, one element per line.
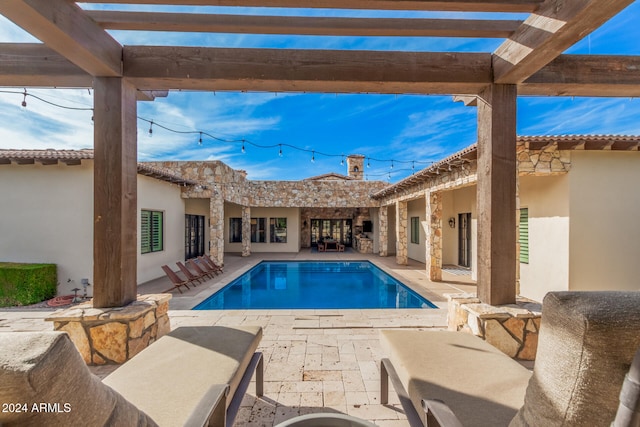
<point>462,200</point>
<point>54,224</point>
<point>417,208</point>
<point>232,210</point>
<point>605,231</point>
<point>547,198</point>
<point>162,196</point>
<point>46,215</point>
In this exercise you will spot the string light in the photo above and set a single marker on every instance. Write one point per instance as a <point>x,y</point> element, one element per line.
<point>313,156</point>
<point>201,133</point>
<point>243,151</point>
<point>342,161</point>
<point>413,167</point>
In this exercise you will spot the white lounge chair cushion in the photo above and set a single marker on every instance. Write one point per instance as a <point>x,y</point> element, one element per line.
<point>482,385</point>
<point>184,364</point>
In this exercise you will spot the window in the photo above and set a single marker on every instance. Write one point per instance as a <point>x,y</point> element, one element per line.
<point>278,230</point>
<point>235,230</point>
<point>258,230</point>
<point>523,238</point>
<point>151,232</point>
<point>415,229</point>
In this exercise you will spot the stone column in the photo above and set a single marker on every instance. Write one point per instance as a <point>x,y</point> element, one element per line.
<point>401,233</point>
<point>246,230</point>
<point>434,235</point>
<point>383,233</point>
<point>216,229</point>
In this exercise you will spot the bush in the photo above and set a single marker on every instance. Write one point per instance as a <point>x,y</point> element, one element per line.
<point>24,284</point>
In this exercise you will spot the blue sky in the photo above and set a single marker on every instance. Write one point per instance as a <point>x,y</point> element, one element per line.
<point>411,130</point>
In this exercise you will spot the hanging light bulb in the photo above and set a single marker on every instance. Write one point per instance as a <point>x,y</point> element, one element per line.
<point>368,163</point>
<point>342,161</point>
<point>413,168</point>
<point>389,177</point>
<point>391,164</point>
<point>280,150</point>
<point>24,100</point>
<point>243,151</point>
<point>150,128</point>
<point>313,156</point>
<point>200,140</point>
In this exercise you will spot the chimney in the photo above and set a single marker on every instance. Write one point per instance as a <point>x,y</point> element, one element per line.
<point>355,166</point>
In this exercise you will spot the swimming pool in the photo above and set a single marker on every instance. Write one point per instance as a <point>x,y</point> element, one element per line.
<point>321,285</point>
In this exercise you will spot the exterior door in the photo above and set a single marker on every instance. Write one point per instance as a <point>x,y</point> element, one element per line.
<point>336,229</point>
<point>464,239</point>
<point>193,236</point>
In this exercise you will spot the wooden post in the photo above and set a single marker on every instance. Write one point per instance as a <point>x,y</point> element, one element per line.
<point>115,193</point>
<point>496,194</point>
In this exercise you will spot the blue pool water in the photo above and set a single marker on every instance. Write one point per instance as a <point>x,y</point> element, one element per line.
<point>328,285</point>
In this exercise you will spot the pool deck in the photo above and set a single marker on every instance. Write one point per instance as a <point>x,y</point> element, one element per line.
<point>315,360</point>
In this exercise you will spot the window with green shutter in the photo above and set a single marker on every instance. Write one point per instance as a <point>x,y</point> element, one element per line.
<point>151,231</point>
<point>524,235</point>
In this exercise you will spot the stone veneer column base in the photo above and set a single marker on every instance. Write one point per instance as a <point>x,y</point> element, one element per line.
<point>511,328</point>
<point>114,335</point>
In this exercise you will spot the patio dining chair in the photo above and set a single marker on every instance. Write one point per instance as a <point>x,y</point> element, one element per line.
<point>175,279</point>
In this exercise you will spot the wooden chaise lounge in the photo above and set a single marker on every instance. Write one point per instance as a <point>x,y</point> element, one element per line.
<point>587,341</point>
<point>193,376</point>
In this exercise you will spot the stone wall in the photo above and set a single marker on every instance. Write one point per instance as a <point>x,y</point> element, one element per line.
<point>114,335</point>
<point>512,328</point>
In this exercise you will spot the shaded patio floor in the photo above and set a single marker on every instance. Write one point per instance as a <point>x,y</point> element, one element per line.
<point>315,360</point>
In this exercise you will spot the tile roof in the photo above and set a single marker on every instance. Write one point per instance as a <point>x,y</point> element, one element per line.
<point>565,142</point>
<point>74,157</point>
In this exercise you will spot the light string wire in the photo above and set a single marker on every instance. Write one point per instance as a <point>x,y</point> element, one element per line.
<point>244,141</point>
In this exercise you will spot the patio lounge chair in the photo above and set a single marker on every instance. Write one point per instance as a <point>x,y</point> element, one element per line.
<point>190,275</point>
<point>586,344</point>
<point>193,376</point>
<point>209,274</point>
<point>175,279</point>
<point>209,268</point>
<point>212,264</point>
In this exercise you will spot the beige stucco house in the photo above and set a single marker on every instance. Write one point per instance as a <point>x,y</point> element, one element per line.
<point>576,211</point>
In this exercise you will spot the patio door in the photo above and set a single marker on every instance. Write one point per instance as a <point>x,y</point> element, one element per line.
<point>464,240</point>
<point>193,236</point>
<point>335,229</point>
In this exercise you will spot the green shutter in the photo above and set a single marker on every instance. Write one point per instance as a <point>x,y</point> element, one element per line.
<point>524,235</point>
<point>156,236</point>
<point>145,232</point>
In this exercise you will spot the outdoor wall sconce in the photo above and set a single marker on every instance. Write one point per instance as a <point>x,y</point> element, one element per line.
<point>452,222</point>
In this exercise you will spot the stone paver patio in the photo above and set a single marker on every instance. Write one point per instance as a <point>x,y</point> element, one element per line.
<point>315,360</point>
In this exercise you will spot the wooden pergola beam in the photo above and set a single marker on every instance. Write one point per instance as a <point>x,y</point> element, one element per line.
<point>468,101</point>
<point>300,25</point>
<point>586,75</point>
<point>34,64</point>
<point>548,32</point>
<point>280,70</point>
<point>63,26</point>
<point>444,5</point>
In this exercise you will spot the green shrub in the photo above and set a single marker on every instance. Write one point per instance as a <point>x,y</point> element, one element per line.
<point>24,284</point>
